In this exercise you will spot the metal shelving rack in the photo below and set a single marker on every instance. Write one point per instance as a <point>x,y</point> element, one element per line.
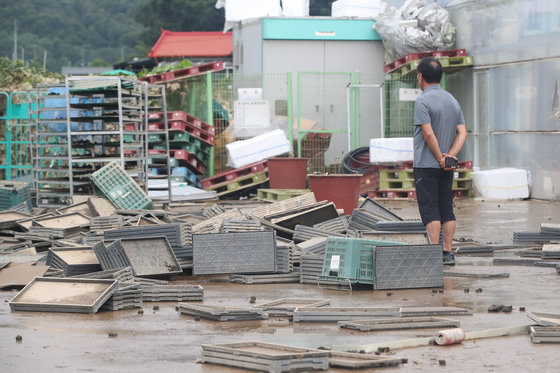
<point>89,131</point>
<point>158,166</point>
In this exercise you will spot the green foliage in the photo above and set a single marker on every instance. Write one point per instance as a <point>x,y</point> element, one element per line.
<point>183,64</point>
<point>73,32</point>
<point>77,32</point>
<point>15,76</point>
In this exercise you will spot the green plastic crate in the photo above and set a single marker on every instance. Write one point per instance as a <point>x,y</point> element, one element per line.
<point>351,259</point>
<point>13,193</point>
<point>113,182</point>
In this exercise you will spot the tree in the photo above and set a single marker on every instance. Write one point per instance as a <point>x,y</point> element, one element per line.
<point>177,15</point>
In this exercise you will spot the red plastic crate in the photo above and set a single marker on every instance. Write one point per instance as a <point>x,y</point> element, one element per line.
<point>394,65</point>
<point>185,117</point>
<point>233,174</point>
<point>190,160</point>
<point>179,125</point>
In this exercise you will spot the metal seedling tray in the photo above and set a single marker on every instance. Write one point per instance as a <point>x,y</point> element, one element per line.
<point>49,294</point>
<point>151,256</point>
<point>399,323</point>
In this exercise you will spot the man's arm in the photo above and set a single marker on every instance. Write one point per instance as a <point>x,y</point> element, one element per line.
<point>459,140</point>
<point>433,144</point>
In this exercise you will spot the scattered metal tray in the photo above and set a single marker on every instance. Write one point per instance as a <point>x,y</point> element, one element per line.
<point>286,306</point>
<point>266,357</point>
<point>49,294</point>
<point>399,323</point>
<point>351,360</point>
<point>150,256</point>
<point>545,319</point>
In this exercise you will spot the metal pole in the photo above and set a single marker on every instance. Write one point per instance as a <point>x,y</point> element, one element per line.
<point>348,127</point>
<point>290,109</point>
<point>210,119</point>
<point>298,114</point>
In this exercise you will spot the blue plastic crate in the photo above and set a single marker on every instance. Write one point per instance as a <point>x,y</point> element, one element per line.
<point>115,184</point>
<point>13,193</point>
<point>351,259</point>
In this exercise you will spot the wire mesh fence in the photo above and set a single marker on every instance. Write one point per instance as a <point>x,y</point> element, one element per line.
<point>400,94</point>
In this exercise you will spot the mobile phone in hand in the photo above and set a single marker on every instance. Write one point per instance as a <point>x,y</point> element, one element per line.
<point>451,162</point>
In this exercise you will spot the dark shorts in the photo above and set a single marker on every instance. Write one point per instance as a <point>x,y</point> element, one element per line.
<point>434,194</point>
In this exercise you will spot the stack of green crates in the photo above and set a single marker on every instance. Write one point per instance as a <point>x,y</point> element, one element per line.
<point>114,183</point>
<point>351,259</point>
<point>13,193</point>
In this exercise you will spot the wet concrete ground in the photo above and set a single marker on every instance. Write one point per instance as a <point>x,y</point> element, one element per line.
<point>164,341</point>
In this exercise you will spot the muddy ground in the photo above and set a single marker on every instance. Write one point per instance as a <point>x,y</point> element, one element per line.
<point>163,340</point>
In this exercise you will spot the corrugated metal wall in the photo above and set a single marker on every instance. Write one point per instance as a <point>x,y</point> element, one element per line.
<point>517,70</point>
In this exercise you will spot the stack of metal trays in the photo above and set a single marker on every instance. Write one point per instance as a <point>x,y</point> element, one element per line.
<point>149,281</point>
<point>50,294</point>
<point>179,235</point>
<point>9,219</point>
<point>68,223</point>
<point>338,225</point>
<point>129,295</point>
<point>311,267</point>
<point>220,313</point>
<point>213,224</point>
<point>238,225</point>
<point>284,259</point>
<point>265,357</point>
<point>103,223</point>
<point>304,233</point>
<point>375,208</point>
<point>401,226</point>
<point>335,314</point>
<point>73,260</point>
<point>315,245</point>
<point>172,293</point>
<point>551,251</point>
<point>287,306</point>
<point>411,238</point>
<point>363,220</point>
<point>120,274</point>
<point>41,233</point>
<point>212,211</point>
<point>100,206</point>
<point>535,237</point>
<point>274,278</point>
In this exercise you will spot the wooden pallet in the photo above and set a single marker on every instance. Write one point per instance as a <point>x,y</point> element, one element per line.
<point>240,183</point>
<point>230,175</point>
<point>394,65</point>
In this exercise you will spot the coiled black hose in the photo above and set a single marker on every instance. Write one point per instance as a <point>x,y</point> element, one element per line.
<point>353,157</point>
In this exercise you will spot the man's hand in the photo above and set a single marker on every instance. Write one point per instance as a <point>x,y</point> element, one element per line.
<point>442,162</point>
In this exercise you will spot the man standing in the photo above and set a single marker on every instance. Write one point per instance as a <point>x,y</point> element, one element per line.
<point>439,132</point>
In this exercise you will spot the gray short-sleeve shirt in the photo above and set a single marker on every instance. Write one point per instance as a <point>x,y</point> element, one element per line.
<point>440,109</point>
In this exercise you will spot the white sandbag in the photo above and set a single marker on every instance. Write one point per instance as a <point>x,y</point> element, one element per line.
<point>502,183</point>
<point>244,152</point>
<point>391,150</point>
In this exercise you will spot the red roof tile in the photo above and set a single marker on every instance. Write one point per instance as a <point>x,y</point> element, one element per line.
<point>192,44</point>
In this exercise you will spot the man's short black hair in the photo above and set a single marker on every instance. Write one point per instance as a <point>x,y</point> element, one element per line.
<point>431,70</point>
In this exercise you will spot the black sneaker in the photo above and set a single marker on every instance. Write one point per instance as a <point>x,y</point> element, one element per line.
<point>448,258</point>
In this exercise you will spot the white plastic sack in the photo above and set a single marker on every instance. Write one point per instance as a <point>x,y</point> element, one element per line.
<point>431,31</point>
<point>391,150</point>
<point>244,152</point>
<point>295,8</point>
